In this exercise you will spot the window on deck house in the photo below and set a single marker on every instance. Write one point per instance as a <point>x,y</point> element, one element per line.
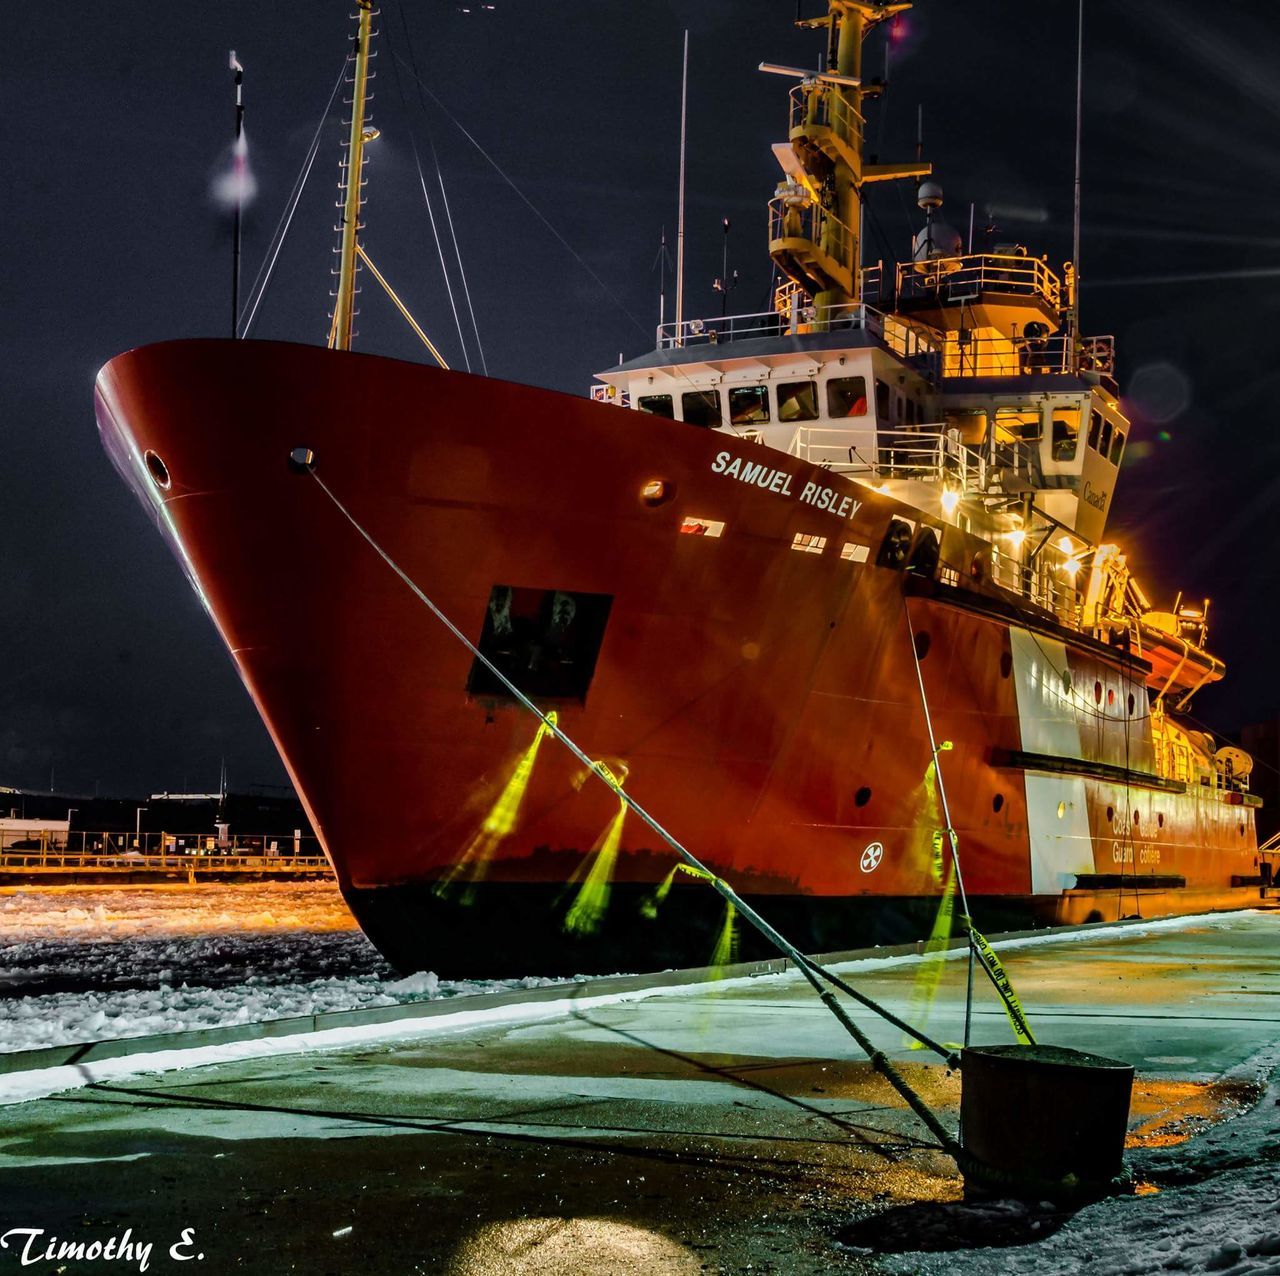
<point>1066,435</point>
<point>701,407</point>
<point>1017,425</point>
<point>657,405</point>
<point>749,404</point>
<point>847,396</point>
<point>798,401</point>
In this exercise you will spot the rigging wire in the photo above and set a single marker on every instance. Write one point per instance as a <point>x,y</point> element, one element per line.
<point>444,194</point>
<point>533,208</point>
<point>272,254</point>
<point>435,232</point>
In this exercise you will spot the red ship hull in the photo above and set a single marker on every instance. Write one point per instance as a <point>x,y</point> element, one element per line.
<point>763,703</point>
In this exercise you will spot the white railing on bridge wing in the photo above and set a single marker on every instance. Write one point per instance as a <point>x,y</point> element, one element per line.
<point>967,355</point>
<point>952,280</point>
<point>929,454</point>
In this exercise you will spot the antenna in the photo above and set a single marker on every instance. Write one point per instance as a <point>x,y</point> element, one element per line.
<point>661,263</point>
<point>1075,221</point>
<point>684,113</point>
<point>238,161</point>
<point>919,130</point>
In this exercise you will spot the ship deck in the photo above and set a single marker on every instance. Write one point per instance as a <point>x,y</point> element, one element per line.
<point>723,1125</point>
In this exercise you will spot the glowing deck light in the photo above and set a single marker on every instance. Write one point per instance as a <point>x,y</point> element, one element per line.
<point>1016,537</point>
<point>1071,567</point>
<point>950,499</point>
<point>1065,544</point>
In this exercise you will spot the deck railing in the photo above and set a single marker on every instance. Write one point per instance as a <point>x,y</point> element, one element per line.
<point>955,280</point>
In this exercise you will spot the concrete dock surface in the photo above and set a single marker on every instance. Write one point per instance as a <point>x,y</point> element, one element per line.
<point>720,1128</point>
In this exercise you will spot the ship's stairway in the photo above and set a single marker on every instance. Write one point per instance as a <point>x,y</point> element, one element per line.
<point>825,127</point>
<point>809,242</point>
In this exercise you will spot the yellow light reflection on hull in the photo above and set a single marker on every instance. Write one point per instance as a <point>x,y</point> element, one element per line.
<point>499,824</point>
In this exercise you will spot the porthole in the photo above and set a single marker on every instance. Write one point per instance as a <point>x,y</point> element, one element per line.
<point>1111,813</point>
<point>997,802</point>
<point>1159,819</point>
<point>1135,816</point>
<point>1131,704</point>
<point>1066,681</point>
<point>923,643</point>
<point>657,492</point>
<point>158,470</point>
<point>1006,664</point>
<point>862,796</point>
<point>1242,830</point>
<point>1097,693</point>
<point>1062,810</point>
<point>1111,696</point>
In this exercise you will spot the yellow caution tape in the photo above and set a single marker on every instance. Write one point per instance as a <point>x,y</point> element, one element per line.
<point>1004,986</point>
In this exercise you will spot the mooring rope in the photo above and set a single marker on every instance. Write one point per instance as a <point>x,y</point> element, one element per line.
<point>979,947</point>
<point>811,970</point>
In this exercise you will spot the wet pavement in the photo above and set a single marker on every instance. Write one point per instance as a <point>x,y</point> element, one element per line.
<point>724,1128</point>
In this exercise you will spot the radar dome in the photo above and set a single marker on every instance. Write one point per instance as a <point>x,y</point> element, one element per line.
<point>936,239</point>
<point>929,195</point>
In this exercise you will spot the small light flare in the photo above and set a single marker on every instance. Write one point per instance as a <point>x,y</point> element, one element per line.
<point>950,500</point>
<point>1071,566</point>
<point>1065,544</point>
<point>236,185</point>
<point>1016,537</point>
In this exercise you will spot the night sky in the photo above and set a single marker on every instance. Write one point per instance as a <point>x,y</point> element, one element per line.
<point>120,116</point>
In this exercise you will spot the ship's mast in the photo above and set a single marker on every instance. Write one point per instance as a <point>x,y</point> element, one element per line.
<point>352,186</point>
<point>816,216</point>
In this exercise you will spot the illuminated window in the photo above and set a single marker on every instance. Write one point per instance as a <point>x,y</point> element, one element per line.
<point>798,401</point>
<point>701,527</point>
<point>847,396</point>
<point>1017,425</point>
<point>1066,435</point>
<point>701,407</point>
<point>1117,446</point>
<point>749,404</point>
<point>1095,429</point>
<point>852,552</point>
<point>809,544</point>
<point>657,405</point>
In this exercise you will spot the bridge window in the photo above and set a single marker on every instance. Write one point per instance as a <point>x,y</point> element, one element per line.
<point>701,407</point>
<point>1105,445</point>
<point>1117,446</point>
<point>1017,425</point>
<point>748,404</point>
<point>1066,435</point>
<point>657,405</point>
<point>798,401</point>
<point>847,396</point>
<point>1095,429</point>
